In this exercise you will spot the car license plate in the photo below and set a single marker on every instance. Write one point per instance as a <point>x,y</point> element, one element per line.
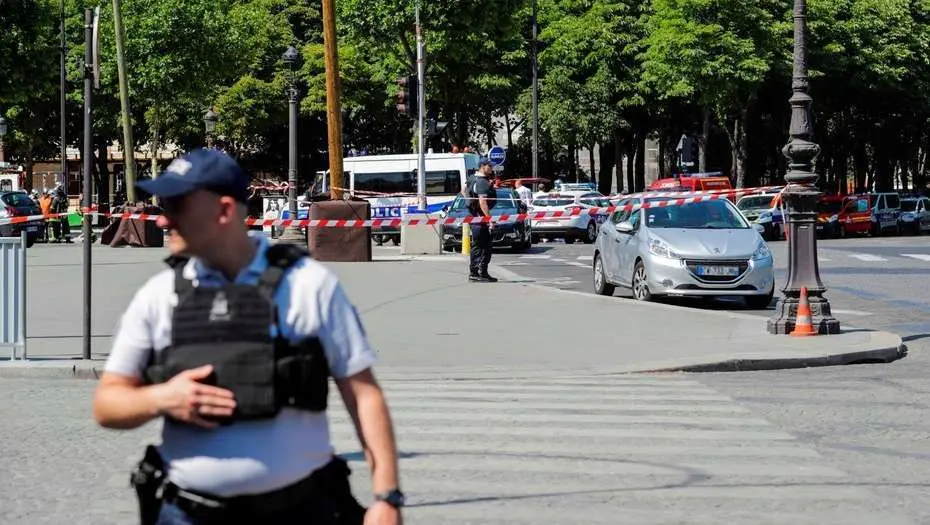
<point>718,271</point>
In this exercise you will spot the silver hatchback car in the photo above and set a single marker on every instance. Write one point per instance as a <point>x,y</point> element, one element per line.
<point>698,249</point>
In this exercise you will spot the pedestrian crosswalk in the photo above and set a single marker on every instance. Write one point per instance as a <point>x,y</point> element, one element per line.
<point>598,450</point>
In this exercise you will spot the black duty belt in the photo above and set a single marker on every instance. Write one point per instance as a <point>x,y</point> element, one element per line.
<point>210,508</point>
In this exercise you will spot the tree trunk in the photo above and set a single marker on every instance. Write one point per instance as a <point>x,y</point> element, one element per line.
<point>618,161</point>
<point>860,161</point>
<point>631,162</point>
<point>101,182</point>
<point>29,164</point>
<point>591,168</point>
<point>606,154</point>
<point>737,139</point>
<point>703,140</point>
<point>640,161</point>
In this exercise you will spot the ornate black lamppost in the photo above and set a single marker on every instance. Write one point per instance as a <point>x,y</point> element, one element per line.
<point>292,233</point>
<point>801,197</point>
<point>209,124</point>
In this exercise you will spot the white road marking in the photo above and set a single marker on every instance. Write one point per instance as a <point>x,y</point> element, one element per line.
<point>578,264</point>
<point>868,257</point>
<point>535,256</point>
<point>824,259</point>
<point>586,258</point>
<point>918,256</point>
<point>850,312</point>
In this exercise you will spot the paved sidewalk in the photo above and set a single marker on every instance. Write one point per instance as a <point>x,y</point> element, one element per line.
<point>413,308</point>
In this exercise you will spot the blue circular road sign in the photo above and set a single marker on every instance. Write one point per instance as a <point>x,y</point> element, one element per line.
<point>497,155</point>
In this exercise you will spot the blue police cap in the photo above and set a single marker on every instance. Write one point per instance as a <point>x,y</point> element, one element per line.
<point>201,169</point>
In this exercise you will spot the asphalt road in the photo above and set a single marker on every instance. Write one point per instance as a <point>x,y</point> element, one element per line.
<point>870,420</point>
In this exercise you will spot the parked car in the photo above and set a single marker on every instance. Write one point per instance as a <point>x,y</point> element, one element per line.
<point>580,226</point>
<point>703,248</point>
<point>839,216</point>
<point>765,210</point>
<point>886,211</point>
<point>515,234</point>
<point>18,204</point>
<point>915,215</point>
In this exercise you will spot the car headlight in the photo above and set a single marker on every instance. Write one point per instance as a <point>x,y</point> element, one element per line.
<point>762,252</point>
<point>907,217</point>
<point>834,218</point>
<point>660,248</point>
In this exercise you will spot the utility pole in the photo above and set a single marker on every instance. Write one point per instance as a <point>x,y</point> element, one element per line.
<point>89,67</point>
<point>535,99</point>
<point>333,105</point>
<point>64,107</point>
<point>421,109</point>
<point>129,150</point>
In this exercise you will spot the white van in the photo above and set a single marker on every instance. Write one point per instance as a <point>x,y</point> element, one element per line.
<point>389,183</point>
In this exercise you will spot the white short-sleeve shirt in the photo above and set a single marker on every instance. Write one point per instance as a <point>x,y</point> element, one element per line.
<point>248,457</point>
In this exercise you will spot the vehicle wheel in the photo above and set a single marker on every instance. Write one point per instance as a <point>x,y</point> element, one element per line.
<point>640,283</point>
<point>591,233</point>
<point>601,286</point>
<point>760,302</point>
<point>842,233</point>
<point>569,240</point>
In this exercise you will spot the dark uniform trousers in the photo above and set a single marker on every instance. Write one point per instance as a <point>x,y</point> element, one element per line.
<point>316,511</point>
<point>481,246</point>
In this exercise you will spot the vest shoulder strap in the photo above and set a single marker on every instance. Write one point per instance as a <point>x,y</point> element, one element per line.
<point>280,257</point>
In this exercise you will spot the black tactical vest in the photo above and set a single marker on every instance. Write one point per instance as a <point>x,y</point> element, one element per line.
<point>229,327</point>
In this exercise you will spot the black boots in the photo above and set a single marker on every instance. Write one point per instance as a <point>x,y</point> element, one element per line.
<point>481,278</point>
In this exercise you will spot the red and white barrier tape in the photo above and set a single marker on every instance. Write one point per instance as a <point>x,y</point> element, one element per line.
<point>395,222</point>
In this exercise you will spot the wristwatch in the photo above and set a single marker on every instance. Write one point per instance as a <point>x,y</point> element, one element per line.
<point>393,497</point>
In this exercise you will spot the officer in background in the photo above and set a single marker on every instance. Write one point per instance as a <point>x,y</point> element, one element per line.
<point>481,197</point>
<point>234,346</point>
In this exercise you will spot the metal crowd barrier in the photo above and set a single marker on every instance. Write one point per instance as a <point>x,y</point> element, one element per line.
<point>13,294</point>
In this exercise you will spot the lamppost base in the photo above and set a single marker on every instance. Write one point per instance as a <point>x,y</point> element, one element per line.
<point>786,315</point>
<point>293,235</point>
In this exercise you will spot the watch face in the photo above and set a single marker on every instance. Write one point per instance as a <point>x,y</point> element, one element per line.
<point>394,498</point>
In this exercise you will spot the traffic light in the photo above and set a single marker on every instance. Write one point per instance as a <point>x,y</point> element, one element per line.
<point>435,127</point>
<point>687,151</point>
<point>407,102</point>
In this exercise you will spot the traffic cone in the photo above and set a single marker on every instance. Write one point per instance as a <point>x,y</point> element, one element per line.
<point>804,325</point>
<point>466,239</point>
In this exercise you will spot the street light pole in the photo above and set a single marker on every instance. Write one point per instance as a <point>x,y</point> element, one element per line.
<point>64,108</point>
<point>421,109</point>
<point>535,98</point>
<point>292,233</point>
<point>801,196</point>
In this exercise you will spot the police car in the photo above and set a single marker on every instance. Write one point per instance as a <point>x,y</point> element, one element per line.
<point>581,226</point>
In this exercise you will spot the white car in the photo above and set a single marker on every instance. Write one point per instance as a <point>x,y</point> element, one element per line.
<point>705,248</point>
<point>581,224</point>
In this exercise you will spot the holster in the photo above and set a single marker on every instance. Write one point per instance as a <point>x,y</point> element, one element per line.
<point>348,510</point>
<point>147,478</point>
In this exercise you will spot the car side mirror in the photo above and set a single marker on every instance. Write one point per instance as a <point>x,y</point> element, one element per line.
<point>625,227</point>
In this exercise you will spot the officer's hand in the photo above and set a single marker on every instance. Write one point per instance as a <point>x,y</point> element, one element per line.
<point>381,513</point>
<point>185,399</point>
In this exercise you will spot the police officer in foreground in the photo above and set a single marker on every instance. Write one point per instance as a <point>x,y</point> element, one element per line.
<point>234,346</point>
<point>481,197</point>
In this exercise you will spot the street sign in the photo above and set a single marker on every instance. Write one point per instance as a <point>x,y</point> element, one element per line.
<point>497,155</point>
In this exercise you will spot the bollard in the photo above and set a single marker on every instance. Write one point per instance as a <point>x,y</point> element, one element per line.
<point>466,239</point>
<point>13,294</point>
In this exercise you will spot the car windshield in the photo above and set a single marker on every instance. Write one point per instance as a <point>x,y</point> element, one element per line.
<point>908,205</point>
<point>505,201</point>
<point>711,215</point>
<point>829,206</point>
<point>558,200</point>
<point>753,203</point>
<point>17,200</point>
